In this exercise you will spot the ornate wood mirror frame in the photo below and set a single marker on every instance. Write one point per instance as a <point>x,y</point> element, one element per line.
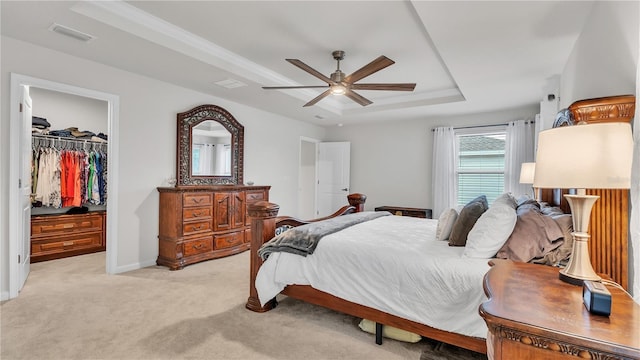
<point>186,123</point>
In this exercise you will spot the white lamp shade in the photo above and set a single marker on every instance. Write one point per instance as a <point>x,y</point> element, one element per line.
<point>593,156</point>
<point>527,171</point>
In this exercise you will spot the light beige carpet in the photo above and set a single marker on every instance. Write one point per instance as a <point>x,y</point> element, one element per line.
<point>70,309</point>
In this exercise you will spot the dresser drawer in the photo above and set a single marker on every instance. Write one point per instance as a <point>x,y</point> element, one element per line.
<point>64,224</point>
<point>196,213</point>
<point>197,199</point>
<point>60,244</point>
<point>224,241</point>
<point>196,227</point>
<point>253,196</point>
<point>198,246</point>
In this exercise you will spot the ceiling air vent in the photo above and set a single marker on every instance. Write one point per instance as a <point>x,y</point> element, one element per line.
<point>64,30</point>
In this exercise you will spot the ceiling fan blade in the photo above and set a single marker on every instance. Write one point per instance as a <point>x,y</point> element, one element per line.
<point>318,98</point>
<point>376,65</point>
<point>310,70</point>
<point>357,97</point>
<point>293,87</point>
<point>388,87</point>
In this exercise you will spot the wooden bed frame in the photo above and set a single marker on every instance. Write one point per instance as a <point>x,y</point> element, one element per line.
<point>608,244</point>
<point>264,223</point>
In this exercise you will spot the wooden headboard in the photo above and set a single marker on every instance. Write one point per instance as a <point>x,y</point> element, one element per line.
<point>609,223</point>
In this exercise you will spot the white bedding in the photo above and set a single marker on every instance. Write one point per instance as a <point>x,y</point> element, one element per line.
<point>393,264</point>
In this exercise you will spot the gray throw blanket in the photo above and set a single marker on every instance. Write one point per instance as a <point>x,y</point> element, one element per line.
<point>302,240</point>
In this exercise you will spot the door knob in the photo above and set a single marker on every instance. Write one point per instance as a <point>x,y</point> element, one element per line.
<point>345,189</point>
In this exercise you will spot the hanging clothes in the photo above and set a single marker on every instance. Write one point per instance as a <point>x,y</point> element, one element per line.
<point>68,172</point>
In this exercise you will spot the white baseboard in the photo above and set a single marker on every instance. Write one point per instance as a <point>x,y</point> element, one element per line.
<point>136,266</point>
<point>4,296</point>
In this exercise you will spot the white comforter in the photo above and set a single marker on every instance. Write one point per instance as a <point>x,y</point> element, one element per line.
<point>393,264</point>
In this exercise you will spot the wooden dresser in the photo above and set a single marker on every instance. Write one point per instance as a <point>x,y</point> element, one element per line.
<point>199,223</point>
<point>61,235</point>
<point>531,314</point>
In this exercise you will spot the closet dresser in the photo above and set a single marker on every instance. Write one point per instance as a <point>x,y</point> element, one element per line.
<point>61,235</point>
<point>199,223</point>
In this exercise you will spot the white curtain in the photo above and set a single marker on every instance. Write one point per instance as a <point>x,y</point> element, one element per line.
<point>444,170</point>
<point>634,224</point>
<point>519,148</point>
<point>207,159</point>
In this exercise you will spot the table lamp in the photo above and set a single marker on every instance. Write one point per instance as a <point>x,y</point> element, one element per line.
<point>584,156</point>
<point>527,171</point>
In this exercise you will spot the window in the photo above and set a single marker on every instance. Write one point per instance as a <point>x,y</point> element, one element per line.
<point>480,169</point>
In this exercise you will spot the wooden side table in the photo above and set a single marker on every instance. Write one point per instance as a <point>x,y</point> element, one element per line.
<point>406,211</point>
<point>531,314</point>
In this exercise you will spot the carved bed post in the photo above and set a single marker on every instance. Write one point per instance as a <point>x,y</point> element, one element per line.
<point>357,201</point>
<point>263,227</point>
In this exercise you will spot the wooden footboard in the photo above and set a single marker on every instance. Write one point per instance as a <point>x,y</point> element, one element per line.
<point>265,221</point>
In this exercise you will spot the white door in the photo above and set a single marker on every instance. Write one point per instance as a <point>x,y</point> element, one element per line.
<point>334,161</point>
<point>24,183</point>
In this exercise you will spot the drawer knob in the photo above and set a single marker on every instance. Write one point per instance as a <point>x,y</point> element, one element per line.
<point>197,214</point>
<point>67,226</point>
<point>67,243</point>
<point>196,227</point>
<point>198,247</point>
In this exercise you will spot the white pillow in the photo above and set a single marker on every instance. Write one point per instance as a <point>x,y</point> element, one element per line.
<point>505,199</point>
<point>445,224</point>
<point>490,232</point>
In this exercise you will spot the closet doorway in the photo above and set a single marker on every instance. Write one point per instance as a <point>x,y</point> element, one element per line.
<point>47,93</point>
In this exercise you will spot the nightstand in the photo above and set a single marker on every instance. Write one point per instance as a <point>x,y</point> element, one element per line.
<point>531,314</point>
<point>406,211</point>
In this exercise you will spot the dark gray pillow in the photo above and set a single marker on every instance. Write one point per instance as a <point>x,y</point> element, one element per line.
<point>466,219</point>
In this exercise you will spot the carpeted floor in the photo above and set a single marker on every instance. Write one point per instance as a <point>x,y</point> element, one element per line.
<point>70,309</point>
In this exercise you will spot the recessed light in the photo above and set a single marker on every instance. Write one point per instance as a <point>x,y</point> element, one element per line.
<point>73,33</point>
<point>230,83</point>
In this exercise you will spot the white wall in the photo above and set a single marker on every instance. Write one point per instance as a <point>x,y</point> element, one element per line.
<point>66,110</point>
<point>147,138</point>
<point>604,59</point>
<point>391,161</point>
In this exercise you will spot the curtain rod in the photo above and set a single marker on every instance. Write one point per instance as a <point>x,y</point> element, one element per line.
<point>483,126</point>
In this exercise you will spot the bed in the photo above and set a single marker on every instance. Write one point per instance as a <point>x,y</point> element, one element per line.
<point>607,258</point>
<point>416,280</point>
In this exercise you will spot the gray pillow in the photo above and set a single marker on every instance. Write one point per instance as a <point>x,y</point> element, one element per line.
<point>468,216</point>
<point>534,236</point>
<point>563,252</point>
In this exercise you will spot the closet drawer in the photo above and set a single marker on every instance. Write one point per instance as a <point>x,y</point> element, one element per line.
<point>196,213</point>
<point>196,227</point>
<point>197,199</point>
<point>59,244</point>
<point>64,224</point>
<point>198,246</point>
<point>224,241</point>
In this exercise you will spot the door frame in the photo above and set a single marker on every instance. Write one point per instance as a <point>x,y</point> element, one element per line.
<point>17,82</point>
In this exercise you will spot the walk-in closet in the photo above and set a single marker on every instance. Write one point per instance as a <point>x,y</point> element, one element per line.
<point>69,175</point>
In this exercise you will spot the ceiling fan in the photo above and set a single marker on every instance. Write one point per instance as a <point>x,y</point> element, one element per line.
<point>339,84</point>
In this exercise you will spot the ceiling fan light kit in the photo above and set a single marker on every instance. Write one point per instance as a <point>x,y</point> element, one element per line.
<point>339,84</point>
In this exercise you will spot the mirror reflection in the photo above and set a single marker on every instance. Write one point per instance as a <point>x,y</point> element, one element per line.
<point>211,149</point>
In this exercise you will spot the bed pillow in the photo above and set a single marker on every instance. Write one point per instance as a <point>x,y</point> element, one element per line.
<point>468,216</point>
<point>533,236</point>
<point>445,224</point>
<point>505,199</point>
<point>390,332</point>
<point>491,231</point>
<point>563,252</point>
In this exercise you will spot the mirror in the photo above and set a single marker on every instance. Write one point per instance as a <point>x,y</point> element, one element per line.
<point>210,147</point>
